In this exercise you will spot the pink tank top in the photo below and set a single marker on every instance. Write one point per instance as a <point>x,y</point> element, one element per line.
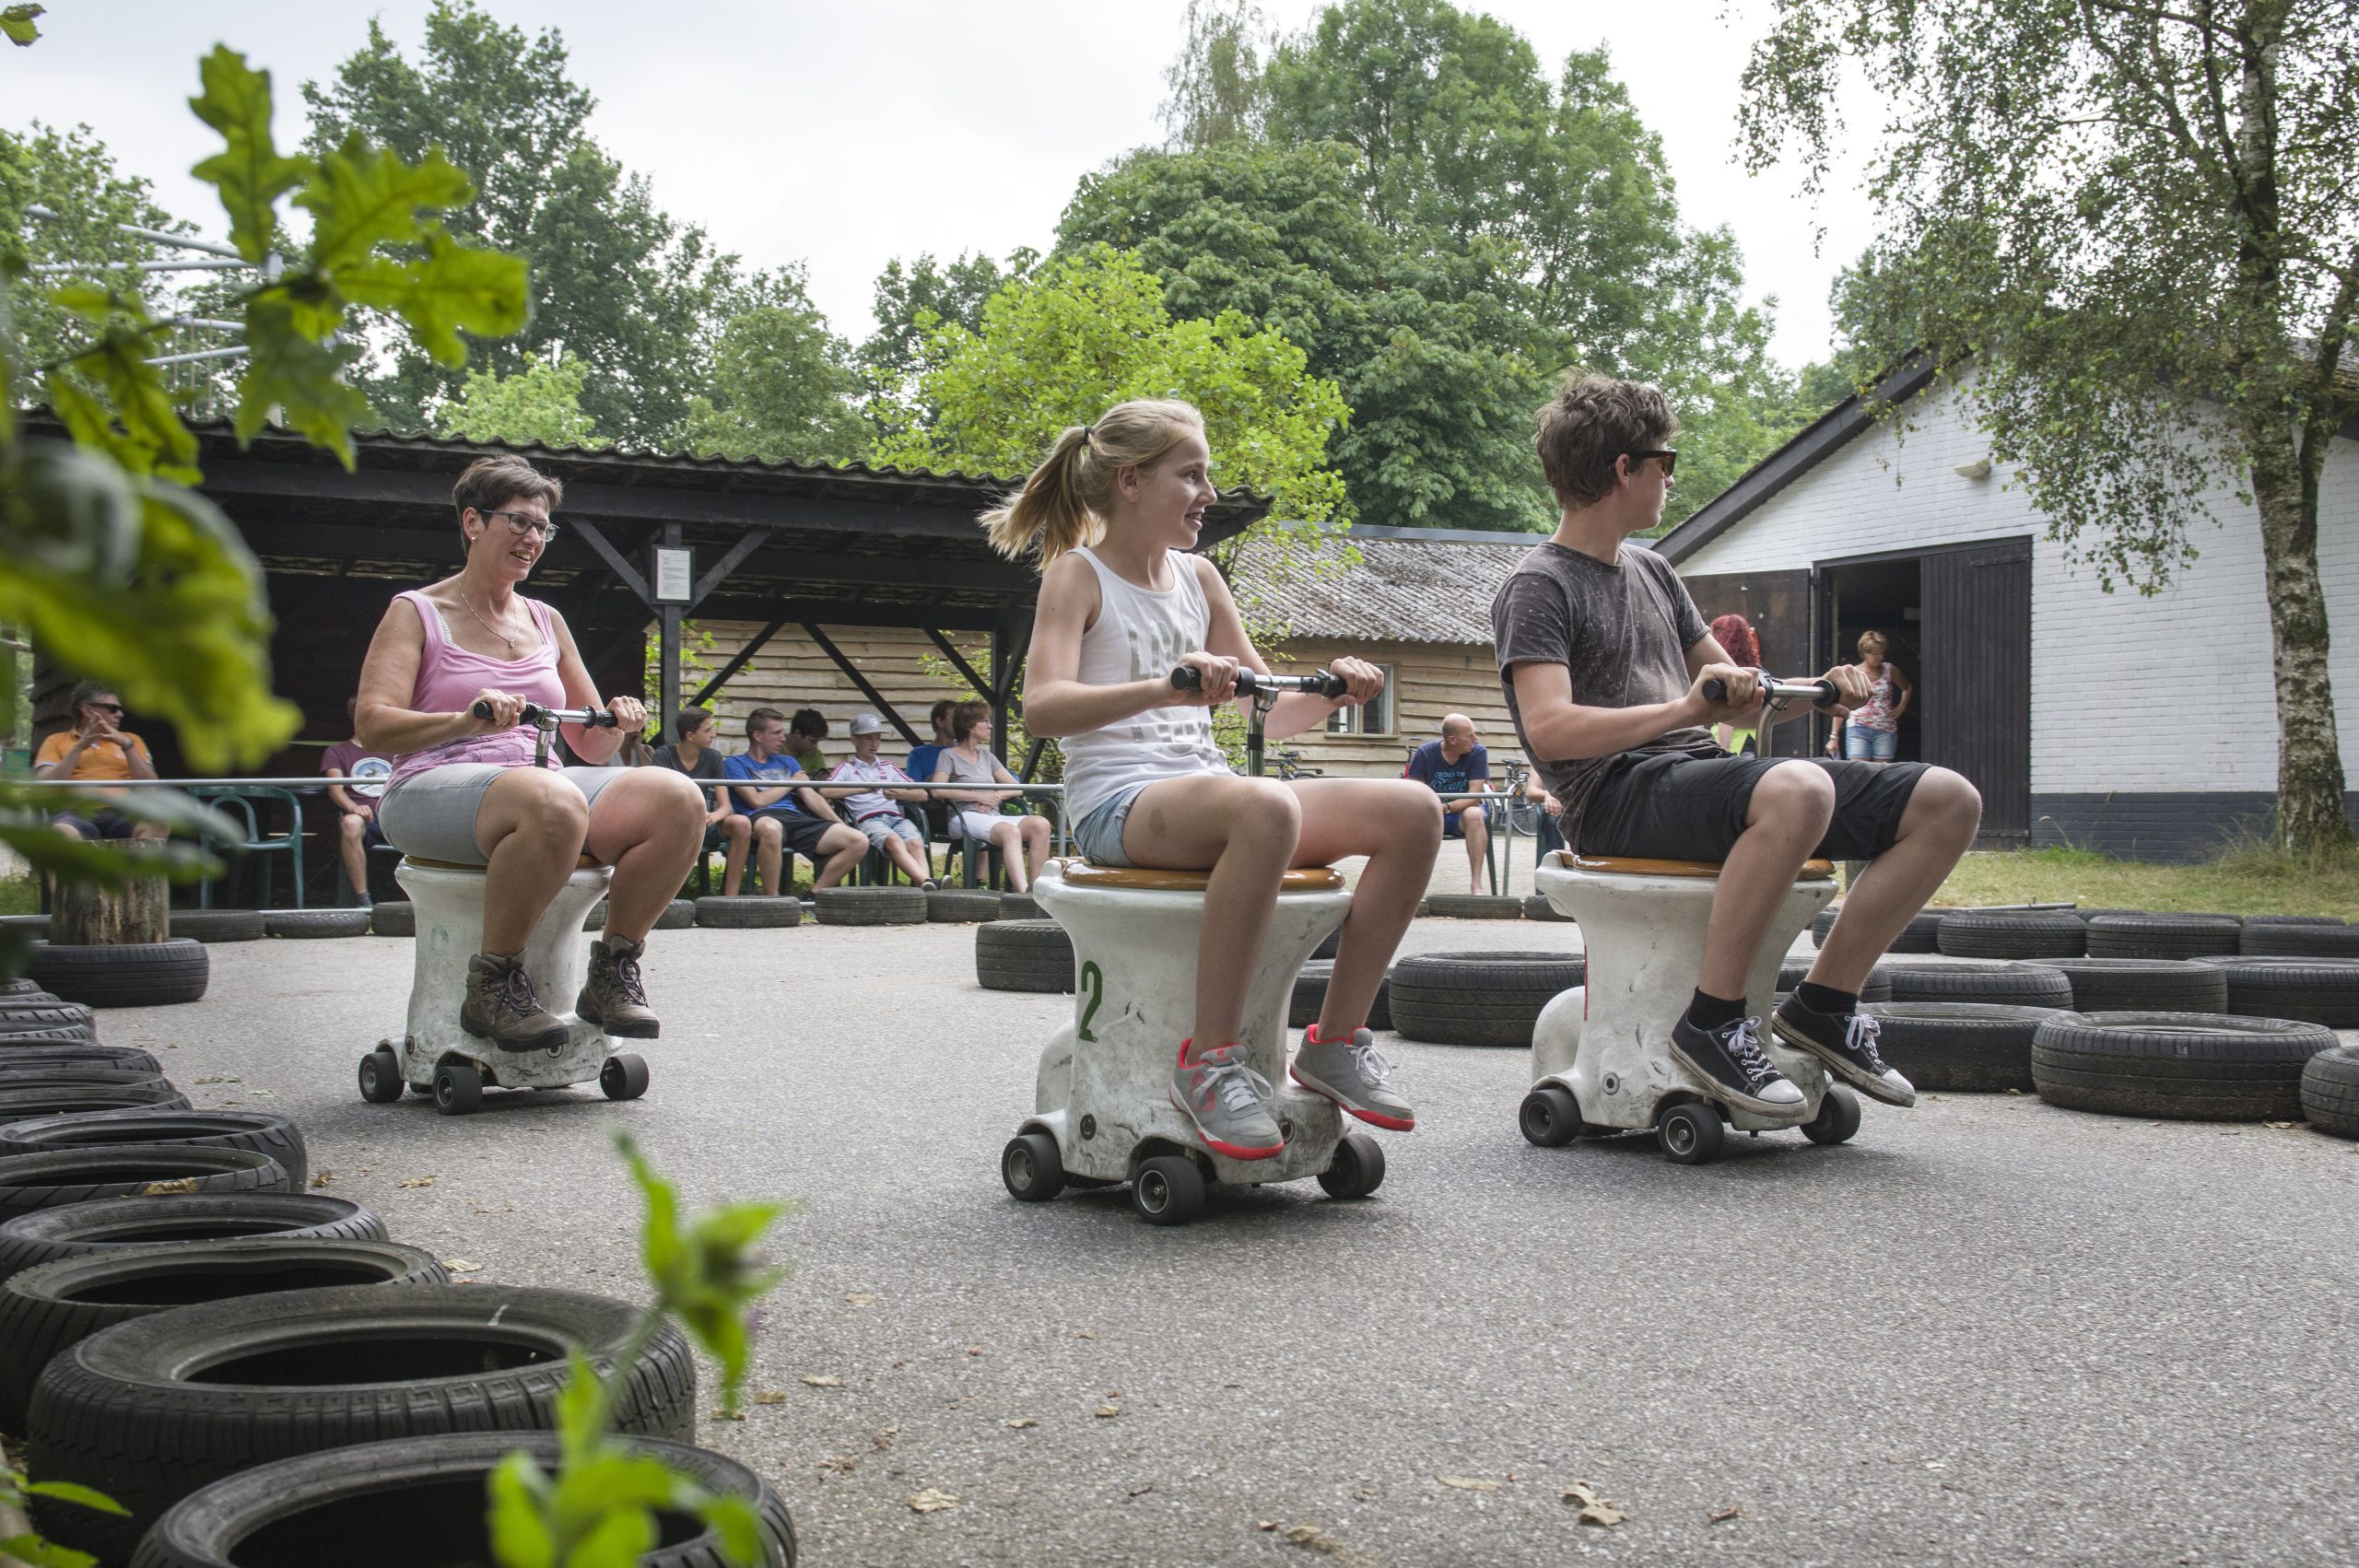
<point>449,676</point>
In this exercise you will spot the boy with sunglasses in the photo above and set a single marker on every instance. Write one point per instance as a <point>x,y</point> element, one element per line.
<point>1603,659</point>
<point>97,747</point>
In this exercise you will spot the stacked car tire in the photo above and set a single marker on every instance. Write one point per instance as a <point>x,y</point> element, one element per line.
<point>134,1239</point>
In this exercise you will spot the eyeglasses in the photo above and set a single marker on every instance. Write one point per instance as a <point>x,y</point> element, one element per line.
<point>524,523</point>
<point>114,707</point>
<point>1670,457</point>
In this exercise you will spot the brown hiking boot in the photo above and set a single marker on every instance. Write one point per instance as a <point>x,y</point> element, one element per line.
<point>500,1007</point>
<point>614,997</point>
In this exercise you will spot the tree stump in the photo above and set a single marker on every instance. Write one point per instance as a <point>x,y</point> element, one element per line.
<point>89,916</point>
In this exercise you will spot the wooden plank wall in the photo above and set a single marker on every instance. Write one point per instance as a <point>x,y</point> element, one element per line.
<point>1431,679</point>
<point>790,672</point>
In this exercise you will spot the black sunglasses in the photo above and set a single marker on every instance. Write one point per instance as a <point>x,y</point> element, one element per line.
<point>1670,457</point>
<point>114,708</point>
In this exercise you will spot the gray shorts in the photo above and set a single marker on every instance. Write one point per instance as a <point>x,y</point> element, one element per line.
<point>431,816</point>
<point>1098,837</point>
<point>885,827</point>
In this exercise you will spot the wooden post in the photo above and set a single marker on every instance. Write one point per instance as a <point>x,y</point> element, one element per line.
<point>89,916</point>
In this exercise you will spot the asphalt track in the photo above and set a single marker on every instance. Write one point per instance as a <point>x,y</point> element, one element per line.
<point>1987,1331</point>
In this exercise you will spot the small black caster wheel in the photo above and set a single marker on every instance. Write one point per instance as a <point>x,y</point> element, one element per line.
<point>1032,1168</point>
<point>458,1089</point>
<point>623,1078</point>
<point>1357,1168</point>
<point>1550,1117</point>
<point>1837,1121</point>
<point>1168,1190</point>
<point>1691,1134</point>
<point>380,1078</point>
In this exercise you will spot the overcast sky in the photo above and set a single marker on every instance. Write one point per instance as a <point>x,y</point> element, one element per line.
<point>844,134</point>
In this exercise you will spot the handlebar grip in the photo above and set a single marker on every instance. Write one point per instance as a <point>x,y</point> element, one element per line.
<point>1187,678</point>
<point>1716,690</point>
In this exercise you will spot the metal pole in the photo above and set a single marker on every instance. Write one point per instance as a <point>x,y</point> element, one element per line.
<point>667,649</point>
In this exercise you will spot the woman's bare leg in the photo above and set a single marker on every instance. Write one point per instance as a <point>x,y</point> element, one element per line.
<point>1035,832</point>
<point>1245,831</point>
<point>649,825</point>
<point>530,828</point>
<point>1008,840</point>
<point>1397,825</point>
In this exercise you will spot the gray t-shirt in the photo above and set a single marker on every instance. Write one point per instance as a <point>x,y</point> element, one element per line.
<point>1621,630</point>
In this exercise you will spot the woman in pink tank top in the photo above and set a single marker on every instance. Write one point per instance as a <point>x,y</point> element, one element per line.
<point>465,788</point>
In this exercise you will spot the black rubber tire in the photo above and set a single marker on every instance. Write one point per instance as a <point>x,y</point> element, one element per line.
<point>870,905</point>
<point>300,923</point>
<point>121,1412</point>
<point>1311,995</point>
<point>457,1088</point>
<point>1168,1189</point>
<point>2176,1064</point>
<point>1020,907</point>
<point>748,914</point>
<point>36,924</point>
<point>595,920</point>
<point>2330,1091</point>
<point>51,1308</point>
<point>1329,944</point>
<point>58,1176</point>
<point>1479,999</point>
<point>1989,933</point>
<point>380,1078</point>
<point>331,1507</point>
<point>1837,1121</point>
<point>1690,1134</point>
<point>80,1053</point>
<point>961,905</point>
<point>623,1076</point>
<point>2279,940</point>
<point>2295,920</point>
<point>1537,908</point>
<point>1355,1169</point>
<point>20,988</point>
<point>1470,906</point>
<point>66,1099</point>
<point>1877,987</point>
<point>140,974</point>
<point>113,1222</point>
<point>52,1019</point>
<point>1550,1117</point>
<point>1973,1048</point>
<point>2012,984</point>
<point>31,1071</point>
<point>266,1133</point>
<point>1032,1168</point>
<point>2164,936</point>
<point>218,925</point>
<point>2311,990</point>
<point>2127,985</point>
<point>1023,956</point>
<point>677,915</point>
<point>1923,934</point>
<point>394,917</point>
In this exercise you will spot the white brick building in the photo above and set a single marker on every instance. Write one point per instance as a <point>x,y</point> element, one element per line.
<point>2145,727</point>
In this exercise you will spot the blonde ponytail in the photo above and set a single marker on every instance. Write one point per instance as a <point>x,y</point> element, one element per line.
<point>1065,502</point>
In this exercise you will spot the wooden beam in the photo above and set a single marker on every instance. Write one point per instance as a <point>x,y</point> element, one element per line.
<point>737,661</point>
<point>950,652</point>
<point>614,560</point>
<point>851,669</point>
<point>755,538</point>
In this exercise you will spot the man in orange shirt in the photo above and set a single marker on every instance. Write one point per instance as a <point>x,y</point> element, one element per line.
<point>97,747</point>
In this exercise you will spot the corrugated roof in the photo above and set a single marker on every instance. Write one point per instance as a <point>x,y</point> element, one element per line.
<point>1430,588</point>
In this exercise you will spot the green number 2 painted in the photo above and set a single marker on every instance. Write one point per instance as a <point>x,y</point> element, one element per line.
<point>1093,986</point>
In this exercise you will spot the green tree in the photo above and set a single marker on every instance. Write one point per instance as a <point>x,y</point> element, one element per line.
<point>782,386</point>
<point>632,296</point>
<point>2135,222</point>
<point>912,299</point>
<point>1217,94</point>
<point>541,402</point>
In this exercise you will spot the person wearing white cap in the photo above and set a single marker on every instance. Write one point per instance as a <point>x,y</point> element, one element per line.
<point>872,806</point>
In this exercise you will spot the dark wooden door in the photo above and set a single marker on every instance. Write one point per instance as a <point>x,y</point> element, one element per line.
<point>1974,689</point>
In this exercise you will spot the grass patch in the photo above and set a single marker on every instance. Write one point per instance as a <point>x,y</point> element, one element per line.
<point>2250,878</point>
<point>19,896</point>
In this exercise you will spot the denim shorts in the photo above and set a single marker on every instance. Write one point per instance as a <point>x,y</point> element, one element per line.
<point>1863,745</point>
<point>1098,837</point>
<point>431,816</point>
<point>885,826</point>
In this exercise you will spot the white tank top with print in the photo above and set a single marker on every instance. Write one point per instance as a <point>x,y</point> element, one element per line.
<point>1140,634</point>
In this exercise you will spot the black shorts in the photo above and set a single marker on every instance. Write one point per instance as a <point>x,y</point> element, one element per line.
<point>101,824</point>
<point>1675,806</point>
<point>799,832</point>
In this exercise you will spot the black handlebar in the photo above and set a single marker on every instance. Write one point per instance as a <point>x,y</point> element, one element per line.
<point>1326,683</point>
<point>536,716</point>
<point>1820,692</point>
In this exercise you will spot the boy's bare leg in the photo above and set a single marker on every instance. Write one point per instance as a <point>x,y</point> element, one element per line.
<point>1945,812</point>
<point>1791,805</point>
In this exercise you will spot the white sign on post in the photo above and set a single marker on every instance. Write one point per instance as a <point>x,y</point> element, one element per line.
<point>674,576</point>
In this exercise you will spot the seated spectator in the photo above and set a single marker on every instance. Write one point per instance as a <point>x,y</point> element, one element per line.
<point>873,809</point>
<point>788,819</point>
<point>805,731</point>
<point>922,758</point>
<point>96,748</point>
<point>358,831</point>
<point>1022,841</point>
<point>694,755</point>
<point>1457,763</point>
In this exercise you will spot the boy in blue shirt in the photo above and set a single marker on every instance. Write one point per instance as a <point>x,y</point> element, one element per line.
<point>788,819</point>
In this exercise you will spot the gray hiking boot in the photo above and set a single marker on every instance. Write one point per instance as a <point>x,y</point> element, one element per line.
<point>614,997</point>
<point>500,1007</point>
<point>1351,1073</point>
<point>1229,1103</point>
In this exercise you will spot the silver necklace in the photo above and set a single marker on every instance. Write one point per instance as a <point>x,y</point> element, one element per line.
<point>503,637</point>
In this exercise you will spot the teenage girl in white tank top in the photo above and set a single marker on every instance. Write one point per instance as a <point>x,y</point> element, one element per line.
<point>1111,514</point>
